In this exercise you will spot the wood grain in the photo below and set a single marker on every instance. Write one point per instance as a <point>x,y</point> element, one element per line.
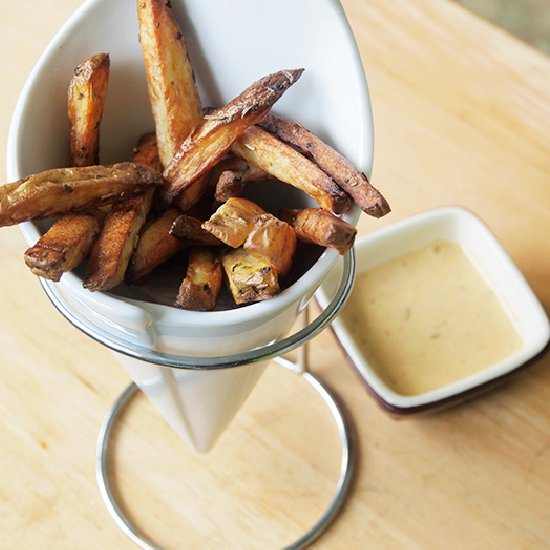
<point>461,112</point>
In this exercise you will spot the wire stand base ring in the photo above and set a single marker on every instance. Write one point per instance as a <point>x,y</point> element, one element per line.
<point>345,433</point>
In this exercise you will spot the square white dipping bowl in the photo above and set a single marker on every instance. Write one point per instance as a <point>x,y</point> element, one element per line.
<point>495,266</point>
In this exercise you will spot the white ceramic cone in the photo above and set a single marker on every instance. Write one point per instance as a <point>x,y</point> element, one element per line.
<point>198,405</point>
<point>331,98</point>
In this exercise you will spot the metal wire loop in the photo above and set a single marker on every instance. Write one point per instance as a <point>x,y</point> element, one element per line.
<point>347,462</point>
<point>280,347</point>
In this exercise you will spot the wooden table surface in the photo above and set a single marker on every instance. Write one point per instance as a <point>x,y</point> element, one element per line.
<point>462,114</point>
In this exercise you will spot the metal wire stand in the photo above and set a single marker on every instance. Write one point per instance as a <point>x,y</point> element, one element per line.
<point>275,351</point>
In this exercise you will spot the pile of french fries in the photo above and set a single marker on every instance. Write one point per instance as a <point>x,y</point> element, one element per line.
<point>183,186</point>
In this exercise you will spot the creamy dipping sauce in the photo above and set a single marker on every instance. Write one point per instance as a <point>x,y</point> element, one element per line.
<point>428,318</point>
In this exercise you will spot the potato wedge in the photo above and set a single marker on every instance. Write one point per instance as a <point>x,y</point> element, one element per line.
<point>347,176</point>
<point>190,229</point>
<point>86,101</point>
<point>229,185</point>
<point>64,246</point>
<point>274,240</point>
<point>146,152</point>
<point>155,246</point>
<point>171,84</point>
<point>232,177</point>
<point>269,153</point>
<point>118,239</point>
<point>233,221</point>
<point>251,278</point>
<point>114,247</point>
<point>219,130</point>
<point>316,226</point>
<point>201,287</point>
<point>63,190</point>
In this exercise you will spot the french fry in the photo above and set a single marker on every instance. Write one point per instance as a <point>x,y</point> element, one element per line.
<point>114,247</point>
<point>118,239</point>
<point>274,240</point>
<point>316,226</point>
<point>189,228</point>
<point>232,177</point>
<point>86,100</point>
<point>64,246</point>
<point>63,190</point>
<point>201,287</point>
<point>240,221</point>
<point>233,221</point>
<point>68,241</point>
<point>211,139</point>
<point>172,90</point>
<point>347,176</point>
<point>229,185</point>
<point>269,153</point>
<point>146,152</point>
<point>155,246</point>
<point>251,278</point>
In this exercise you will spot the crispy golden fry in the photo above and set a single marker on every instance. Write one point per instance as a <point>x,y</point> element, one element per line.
<point>118,239</point>
<point>64,246</point>
<point>232,222</point>
<point>146,152</point>
<point>172,90</point>
<point>219,130</point>
<point>201,287</point>
<point>269,153</point>
<point>66,189</point>
<point>155,246</point>
<point>190,229</point>
<point>171,83</point>
<point>86,100</point>
<point>112,251</point>
<point>251,278</point>
<point>228,164</point>
<point>232,176</point>
<point>351,180</point>
<point>273,239</point>
<point>316,226</point>
<point>229,185</point>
